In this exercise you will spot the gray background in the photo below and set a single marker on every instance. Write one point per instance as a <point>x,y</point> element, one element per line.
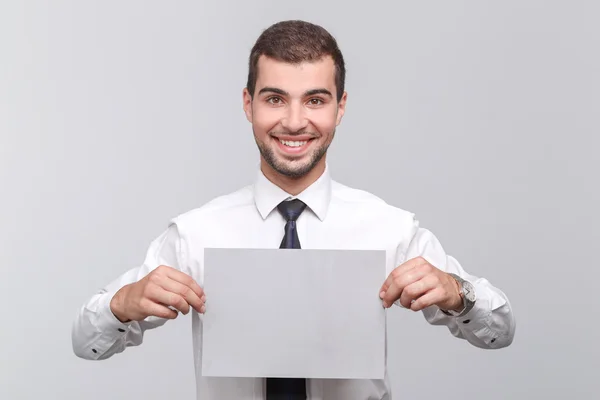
<point>480,117</point>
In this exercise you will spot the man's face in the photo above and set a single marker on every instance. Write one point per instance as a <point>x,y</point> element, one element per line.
<point>294,113</point>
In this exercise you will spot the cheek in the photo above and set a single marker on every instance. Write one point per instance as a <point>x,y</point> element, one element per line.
<point>265,120</point>
<point>324,122</point>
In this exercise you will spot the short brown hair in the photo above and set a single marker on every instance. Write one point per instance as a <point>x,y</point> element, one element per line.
<point>295,42</point>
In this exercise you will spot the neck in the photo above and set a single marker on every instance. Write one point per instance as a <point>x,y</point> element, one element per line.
<point>293,186</point>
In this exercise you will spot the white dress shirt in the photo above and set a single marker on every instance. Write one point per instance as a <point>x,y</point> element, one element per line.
<point>336,217</point>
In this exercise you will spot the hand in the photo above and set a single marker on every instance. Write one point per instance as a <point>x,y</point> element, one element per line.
<point>153,294</point>
<point>418,285</point>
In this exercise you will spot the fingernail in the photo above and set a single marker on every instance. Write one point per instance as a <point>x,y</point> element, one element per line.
<point>381,294</point>
<point>203,298</point>
<point>203,309</point>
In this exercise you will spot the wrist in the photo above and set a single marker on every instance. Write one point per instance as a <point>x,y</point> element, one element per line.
<point>467,295</point>
<point>116,307</point>
<point>458,303</point>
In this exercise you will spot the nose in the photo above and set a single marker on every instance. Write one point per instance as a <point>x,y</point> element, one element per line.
<point>295,119</point>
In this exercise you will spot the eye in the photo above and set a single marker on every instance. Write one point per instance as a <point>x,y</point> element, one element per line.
<point>275,100</point>
<point>315,101</point>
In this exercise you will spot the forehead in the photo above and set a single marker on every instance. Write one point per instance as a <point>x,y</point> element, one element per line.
<point>290,77</point>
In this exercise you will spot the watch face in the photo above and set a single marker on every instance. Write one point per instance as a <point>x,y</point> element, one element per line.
<point>469,291</point>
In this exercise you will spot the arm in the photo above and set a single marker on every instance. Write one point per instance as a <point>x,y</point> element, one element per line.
<point>490,324</point>
<point>97,333</point>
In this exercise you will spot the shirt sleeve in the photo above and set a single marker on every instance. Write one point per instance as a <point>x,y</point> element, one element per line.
<point>96,332</point>
<point>490,324</point>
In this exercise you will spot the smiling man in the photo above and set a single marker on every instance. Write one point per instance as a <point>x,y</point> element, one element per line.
<point>294,106</point>
<point>294,100</point>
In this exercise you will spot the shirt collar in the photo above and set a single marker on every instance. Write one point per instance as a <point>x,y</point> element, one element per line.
<point>317,196</point>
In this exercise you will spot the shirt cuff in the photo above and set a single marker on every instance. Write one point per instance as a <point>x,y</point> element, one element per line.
<point>106,319</point>
<point>478,321</point>
<point>479,314</point>
<point>108,326</point>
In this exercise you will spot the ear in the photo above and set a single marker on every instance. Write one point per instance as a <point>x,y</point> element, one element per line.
<point>247,100</point>
<point>341,108</point>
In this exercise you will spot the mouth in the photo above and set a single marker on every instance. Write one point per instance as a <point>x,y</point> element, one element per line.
<point>296,147</point>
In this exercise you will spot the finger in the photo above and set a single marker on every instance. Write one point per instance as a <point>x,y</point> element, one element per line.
<point>158,310</point>
<point>417,289</point>
<point>391,295</point>
<point>412,276</point>
<point>402,280</point>
<point>401,270</point>
<point>400,283</point>
<point>164,297</point>
<point>184,291</point>
<point>430,298</point>
<point>186,280</point>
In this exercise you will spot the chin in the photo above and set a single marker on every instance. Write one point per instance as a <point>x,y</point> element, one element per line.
<point>298,168</point>
<point>290,169</point>
<point>290,166</point>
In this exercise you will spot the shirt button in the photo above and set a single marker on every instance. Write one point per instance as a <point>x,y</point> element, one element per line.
<point>121,330</point>
<point>493,340</point>
<point>466,321</point>
<point>94,350</point>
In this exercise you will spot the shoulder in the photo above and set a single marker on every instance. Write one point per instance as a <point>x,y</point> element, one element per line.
<point>225,203</point>
<point>354,197</point>
<point>349,194</point>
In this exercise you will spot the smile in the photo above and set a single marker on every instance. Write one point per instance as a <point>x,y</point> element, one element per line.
<point>294,148</point>
<point>290,143</point>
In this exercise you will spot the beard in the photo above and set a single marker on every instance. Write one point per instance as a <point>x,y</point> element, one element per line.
<point>288,168</point>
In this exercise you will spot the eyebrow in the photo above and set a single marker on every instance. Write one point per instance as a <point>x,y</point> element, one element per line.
<point>318,91</point>
<point>311,92</point>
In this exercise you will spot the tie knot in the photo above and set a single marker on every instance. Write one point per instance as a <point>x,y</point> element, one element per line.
<point>291,209</point>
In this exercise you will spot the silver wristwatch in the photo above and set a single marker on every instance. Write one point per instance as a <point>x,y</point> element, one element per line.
<point>467,294</point>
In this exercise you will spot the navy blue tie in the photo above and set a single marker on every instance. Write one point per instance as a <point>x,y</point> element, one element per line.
<point>288,388</point>
<point>291,210</point>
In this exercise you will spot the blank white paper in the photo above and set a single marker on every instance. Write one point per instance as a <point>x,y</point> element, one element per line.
<point>293,313</point>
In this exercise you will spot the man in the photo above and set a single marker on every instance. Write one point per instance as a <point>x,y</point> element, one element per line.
<point>294,99</point>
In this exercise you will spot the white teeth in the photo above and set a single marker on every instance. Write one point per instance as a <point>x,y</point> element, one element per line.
<point>293,143</point>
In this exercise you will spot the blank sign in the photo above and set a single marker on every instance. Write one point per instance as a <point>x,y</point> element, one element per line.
<point>293,313</point>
